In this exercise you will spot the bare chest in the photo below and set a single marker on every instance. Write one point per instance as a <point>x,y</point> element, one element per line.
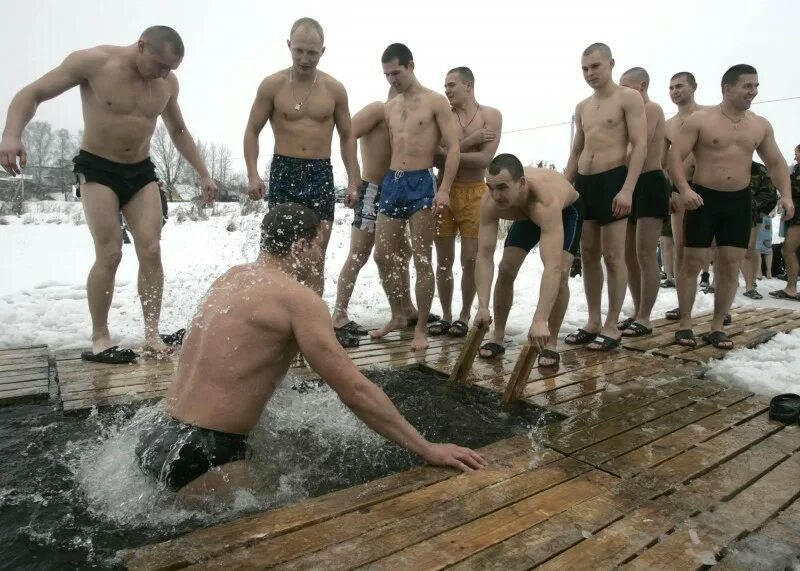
<point>721,134</point>
<point>118,92</point>
<point>296,102</point>
<point>411,117</point>
<point>602,116</point>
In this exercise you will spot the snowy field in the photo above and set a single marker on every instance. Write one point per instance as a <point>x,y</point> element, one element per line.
<point>48,252</point>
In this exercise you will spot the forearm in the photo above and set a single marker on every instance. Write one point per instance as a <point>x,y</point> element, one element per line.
<point>374,408</point>
<point>450,166</point>
<point>251,152</point>
<point>185,144</point>
<point>484,274</point>
<point>635,164</point>
<point>677,173</point>
<point>548,292</point>
<point>349,158</point>
<point>572,168</point>
<point>20,112</point>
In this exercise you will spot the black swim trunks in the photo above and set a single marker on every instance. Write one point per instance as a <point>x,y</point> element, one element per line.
<point>305,181</point>
<point>724,216</point>
<point>175,453</point>
<point>650,197</point>
<point>598,192</point>
<point>124,179</point>
<point>526,233</point>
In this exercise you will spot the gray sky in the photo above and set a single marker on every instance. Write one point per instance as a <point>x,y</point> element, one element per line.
<point>525,56</point>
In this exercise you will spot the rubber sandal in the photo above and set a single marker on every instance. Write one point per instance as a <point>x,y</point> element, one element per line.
<point>624,324</point>
<point>174,339</point>
<point>606,343</point>
<point>780,294</point>
<point>717,338</point>
<point>347,340</point>
<point>494,348</point>
<point>753,294</point>
<point>785,408</point>
<point>432,318</point>
<point>673,314</point>
<point>111,356</point>
<point>668,283</point>
<point>580,337</point>
<point>549,354</point>
<point>439,328</point>
<point>682,335</point>
<point>353,328</point>
<point>638,330</point>
<point>458,329</point>
<point>727,320</point>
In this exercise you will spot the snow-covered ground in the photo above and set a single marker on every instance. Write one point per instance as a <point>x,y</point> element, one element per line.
<point>47,254</point>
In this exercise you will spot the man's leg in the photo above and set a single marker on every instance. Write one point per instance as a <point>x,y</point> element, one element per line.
<point>750,261</point>
<point>445,255</point>
<point>727,261</point>
<point>361,242</point>
<point>790,245</point>
<point>101,208</point>
<point>389,232</point>
<point>556,317</point>
<point>667,247</point>
<point>421,224</point>
<point>469,252</point>
<point>632,265</point>
<point>222,481</point>
<point>677,238</point>
<point>409,309</point>
<point>316,280</point>
<point>143,213</point>
<point>647,232</point>
<point>612,243</point>
<point>693,260</point>
<point>503,295</point>
<point>591,251</point>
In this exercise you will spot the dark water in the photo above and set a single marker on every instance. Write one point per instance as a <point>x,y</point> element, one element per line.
<point>71,494</point>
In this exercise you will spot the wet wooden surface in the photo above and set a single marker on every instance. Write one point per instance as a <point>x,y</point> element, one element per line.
<point>24,374</point>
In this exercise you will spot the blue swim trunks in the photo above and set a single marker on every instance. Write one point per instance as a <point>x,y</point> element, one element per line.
<point>305,181</point>
<point>405,192</point>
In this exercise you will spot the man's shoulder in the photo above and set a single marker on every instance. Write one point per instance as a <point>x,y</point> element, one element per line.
<point>96,57</point>
<point>653,107</point>
<point>490,112</point>
<point>627,96</point>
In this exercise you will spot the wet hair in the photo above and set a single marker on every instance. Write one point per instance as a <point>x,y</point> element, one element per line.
<point>161,36</point>
<point>639,74</point>
<point>604,50</point>
<point>399,52</point>
<point>308,23</point>
<point>284,225</point>
<point>464,73</point>
<point>689,78</point>
<point>731,77</point>
<point>508,162</point>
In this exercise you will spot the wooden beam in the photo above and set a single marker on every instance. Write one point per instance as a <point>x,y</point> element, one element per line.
<point>468,351</point>
<point>519,376</point>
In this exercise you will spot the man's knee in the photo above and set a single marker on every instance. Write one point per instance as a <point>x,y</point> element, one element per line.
<point>149,252</point>
<point>614,258</point>
<point>508,270</point>
<point>109,255</point>
<point>590,252</point>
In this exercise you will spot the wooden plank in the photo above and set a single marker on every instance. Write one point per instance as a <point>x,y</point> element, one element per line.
<point>26,394</point>
<point>24,375</point>
<point>520,374</point>
<point>645,525</point>
<point>645,433</point>
<point>29,375</point>
<point>23,350</point>
<point>673,444</point>
<point>710,533</point>
<point>364,502</point>
<point>456,544</point>
<point>398,533</point>
<point>468,352</point>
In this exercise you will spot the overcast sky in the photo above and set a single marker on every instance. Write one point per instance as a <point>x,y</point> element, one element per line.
<point>525,55</point>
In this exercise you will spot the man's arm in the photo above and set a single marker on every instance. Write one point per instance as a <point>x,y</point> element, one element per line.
<point>347,140</point>
<point>636,123</point>
<point>577,148</point>
<point>179,133</point>
<point>683,144</point>
<point>313,329</point>
<point>551,245</point>
<point>481,158</point>
<point>484,262</point>
<point>777,168</point>
<point>368,118</point>
<point>260,112</point>
<point>449,131</point>
<point>76,68</point>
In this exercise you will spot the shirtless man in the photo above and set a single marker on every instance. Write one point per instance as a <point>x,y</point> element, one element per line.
<point>791,242</point>
<point>650,209</point>
<point>124,89</point>
<point>480,128</point>
<point>369,127</point>
<point>303,105</point>
<point>418,120</point>
<point>220,389</point>
<point>547,209</point>
<point>718,203</point>
<point>606,124</point>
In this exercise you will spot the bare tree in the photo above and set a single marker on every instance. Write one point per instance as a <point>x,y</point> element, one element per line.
<point>63,151</point>
<point>170,164</point>
<point>223,164</point>
<point>213,155</point>
<point>38,140</point>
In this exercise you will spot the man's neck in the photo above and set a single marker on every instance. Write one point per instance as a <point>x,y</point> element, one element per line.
<point>688,109</point>
<point>468,106</point>
<point>607,90</point>
<point>730,111</point>
<point>285,264</point>
<point>645,97</point>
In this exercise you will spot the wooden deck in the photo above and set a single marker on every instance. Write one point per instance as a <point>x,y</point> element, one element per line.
<point>24,374</point>
<point>654,467</point>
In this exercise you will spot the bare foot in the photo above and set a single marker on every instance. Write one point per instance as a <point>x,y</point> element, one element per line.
<point>157,347</point>
<point>420,341</point>
<point>394,324</point>
<point>100,344</point>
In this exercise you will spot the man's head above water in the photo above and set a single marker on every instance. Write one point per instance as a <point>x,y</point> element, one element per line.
<point>291,232</point>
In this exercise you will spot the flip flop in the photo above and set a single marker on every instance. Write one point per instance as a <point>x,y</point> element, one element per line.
<point>174,339</point>
<point>580,337</point>
<point>668,283</point>
<point>494,348</point>
<point>353,328</point>
<point>780,294</point>
<point>439,328</point>
<point>753,294</point>
<point>785,408</point>
<point>458,329</point>
<point>606,343</point>
<point>673,314</point>
<point>638,330</point>
<point>727,320</point>
<point>682,335</point>
<point>432,318</point>
<point>624,324</point>
<point>111,356</point>
<point>347,340</point>
<point>549,354</point>
<point>717,338</point>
